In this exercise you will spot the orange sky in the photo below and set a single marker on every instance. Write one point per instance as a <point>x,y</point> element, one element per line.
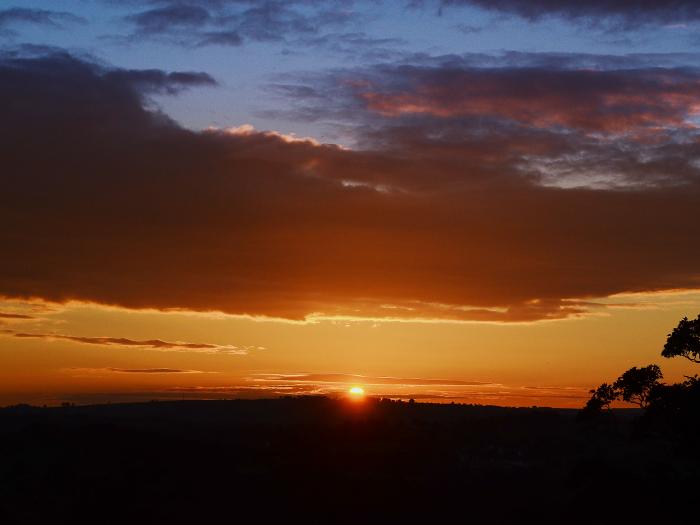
<point>150,354</point>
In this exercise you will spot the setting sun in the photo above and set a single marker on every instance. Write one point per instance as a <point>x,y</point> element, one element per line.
<point>357,391</point>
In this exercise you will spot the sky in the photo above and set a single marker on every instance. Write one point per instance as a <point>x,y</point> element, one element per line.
<point>475,201</point>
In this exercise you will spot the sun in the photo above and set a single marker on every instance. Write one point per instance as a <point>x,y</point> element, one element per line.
<point>357,391</point>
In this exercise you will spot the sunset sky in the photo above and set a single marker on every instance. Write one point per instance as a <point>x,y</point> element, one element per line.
<point>482,201</point>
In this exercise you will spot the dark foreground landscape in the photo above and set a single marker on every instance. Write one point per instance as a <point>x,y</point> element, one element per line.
<point>326,461</point>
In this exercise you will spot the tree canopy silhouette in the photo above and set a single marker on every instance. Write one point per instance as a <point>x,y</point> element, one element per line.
<point>684,341</point>
<point>637,384</point>
<point>601,398</point>
<point>666,406</point>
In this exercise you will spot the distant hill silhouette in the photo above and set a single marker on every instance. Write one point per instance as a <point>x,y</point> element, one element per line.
<point>322,460</point>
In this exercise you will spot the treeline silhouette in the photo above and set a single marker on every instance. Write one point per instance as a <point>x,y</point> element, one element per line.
<point>671,410</point>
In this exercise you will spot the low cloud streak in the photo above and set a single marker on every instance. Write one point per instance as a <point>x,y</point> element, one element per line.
<point>350,379</point>
<point>134,370</point>
<point>153,344</point>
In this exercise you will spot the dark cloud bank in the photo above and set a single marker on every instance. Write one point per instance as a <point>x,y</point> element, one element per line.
<point>452,208</point>
<point>622,13</point>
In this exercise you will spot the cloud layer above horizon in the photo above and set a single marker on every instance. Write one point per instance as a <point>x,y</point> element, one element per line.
<point>508,191</point>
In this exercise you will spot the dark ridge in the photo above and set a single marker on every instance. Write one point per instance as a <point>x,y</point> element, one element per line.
<point>335,461</point>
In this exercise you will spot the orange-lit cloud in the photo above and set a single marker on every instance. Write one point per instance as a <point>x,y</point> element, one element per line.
<point>109,202</point>
<point>364,380</point>
<point>593,101</point>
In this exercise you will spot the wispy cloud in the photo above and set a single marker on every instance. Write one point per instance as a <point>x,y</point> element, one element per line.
<point>11,315</point>
<point>153,344</point>
<point>43,17</point>
<point>349,379</point>
<point>237,23</point>
<point>134,370</point>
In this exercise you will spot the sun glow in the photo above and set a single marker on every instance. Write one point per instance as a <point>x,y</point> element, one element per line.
<point>357,392</point>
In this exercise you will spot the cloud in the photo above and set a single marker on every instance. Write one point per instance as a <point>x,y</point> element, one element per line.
<point>136,370</point>
<point>464,392</point>
<point>627,14</point>
<point>169,18</point>
<point>157,81</point>
<point>617,101</point>
<point>234,23</point>
<point>568,120</point>
<point>350,379</point>
<point>637,94</point>
<point>469,29</point>
<point>10,315</point>
<point>220,38</point>
<point>154,344</point>
<point>356,45</point>
<point>19,15</point>
<point>450,217</point>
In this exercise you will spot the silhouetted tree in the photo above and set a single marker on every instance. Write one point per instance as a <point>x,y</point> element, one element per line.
<point>601,398</point>
<point>670,409</point>
<point>684,341</point>
<point>637,384</point>
<point>675,409</point>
